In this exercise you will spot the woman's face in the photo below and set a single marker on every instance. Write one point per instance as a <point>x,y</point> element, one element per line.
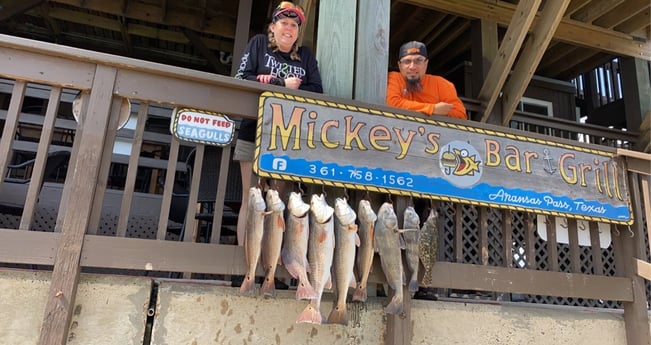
<point>285,31</point>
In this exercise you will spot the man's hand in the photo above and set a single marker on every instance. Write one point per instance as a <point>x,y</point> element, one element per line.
<point>442,108</point>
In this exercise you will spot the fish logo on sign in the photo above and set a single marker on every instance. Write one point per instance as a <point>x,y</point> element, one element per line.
<point>459,163</point>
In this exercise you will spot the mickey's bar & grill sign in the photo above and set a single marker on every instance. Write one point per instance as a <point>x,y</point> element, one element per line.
<point>315,141</point>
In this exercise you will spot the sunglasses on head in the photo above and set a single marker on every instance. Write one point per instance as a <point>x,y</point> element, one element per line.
<point>288,6</point>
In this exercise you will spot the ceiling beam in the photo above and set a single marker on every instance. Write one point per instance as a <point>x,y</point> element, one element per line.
<point>511,43</point>
<point>550,18</point>
<point>621,13</point>
<point>637,22</point>
<point>133,29</point>
<point>568,31</point>
<point>14,8</point>
<point>221,25</point>
<point>596,9</point>
<point>575,6</point>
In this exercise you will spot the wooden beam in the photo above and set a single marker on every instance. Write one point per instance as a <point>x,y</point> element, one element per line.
<point>241,32</point>
<point>635,23</point>
<point>14,8</point>
<point>568,31</point>
<point>142,254</point>
<point>65,276</point>
<point>638,162</point>
<point>221,26</point>
<point>596,9</point>
<point>448,42</point>
<point>643,269</point>
<point>621,13</point>
<point>533,51</point>
<point>515,34</point>
<point>439,30</point>
<point>575,6</point>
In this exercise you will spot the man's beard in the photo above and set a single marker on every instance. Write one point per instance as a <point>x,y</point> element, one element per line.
<point>413,85</point>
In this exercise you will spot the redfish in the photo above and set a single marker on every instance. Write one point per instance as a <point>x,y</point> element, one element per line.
<point>365,252</point>
<point>320,254</point>
<point>346,239</point>
<point>410,234</point>
<point>387,244</point>
<point>272,240</point>
<point>253,237</point>
<point>294,250</point>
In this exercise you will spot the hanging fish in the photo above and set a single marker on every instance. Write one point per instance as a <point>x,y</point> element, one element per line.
<point>346,240</point>
<point>253,237</point>
<point>428,244</point>
<point>320,254</point>
<point>365,252</point>
<point>410,234</point>
<point>387,244</point>
<point>294,250</point>
<point>272,240</point>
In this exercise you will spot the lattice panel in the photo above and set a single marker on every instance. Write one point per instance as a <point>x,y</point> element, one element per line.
<point>470,242</point>
<point>495,242</point>
<point>446,212</point>
<point>519,240</point>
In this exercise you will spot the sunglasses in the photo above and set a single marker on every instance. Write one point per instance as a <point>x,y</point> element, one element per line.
<point>288,6</point>
<point>417,61</point>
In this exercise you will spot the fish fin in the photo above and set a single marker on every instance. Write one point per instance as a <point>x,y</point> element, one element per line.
<point>248,284</point>
<point>281,223</point>
<point>413,285</point>
<point>328,283</point>
<point>268,287</point>
<point>353,227</point>
<point>310,315</point>
<point>338,315</point>
<point>360,295</point>
<point>304,290</point>
<point>394,307</point>
<point>358,242</point>
<point>353,281</point>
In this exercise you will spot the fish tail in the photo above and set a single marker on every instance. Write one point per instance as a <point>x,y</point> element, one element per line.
<point>338,315</point>
<point>304,290</point>
<point>310,315</point>
<point>268,287</point>
<point>248,284</point>
<point>413,284</point>
<point>394,307</point>
<point>359,295</point>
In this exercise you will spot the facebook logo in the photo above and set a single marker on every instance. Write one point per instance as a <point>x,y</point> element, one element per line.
<point>279,164</point>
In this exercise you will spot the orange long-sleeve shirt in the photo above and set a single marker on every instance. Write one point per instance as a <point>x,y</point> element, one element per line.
<point>435,89</point>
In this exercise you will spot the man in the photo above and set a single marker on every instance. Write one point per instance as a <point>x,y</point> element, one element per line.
<point>413,89</point>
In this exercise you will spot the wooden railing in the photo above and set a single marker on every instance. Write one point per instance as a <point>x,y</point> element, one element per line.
<point>105,82</point>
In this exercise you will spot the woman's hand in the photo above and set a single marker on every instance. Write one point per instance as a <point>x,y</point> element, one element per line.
<point>265,78</point>
<point>293,82</point>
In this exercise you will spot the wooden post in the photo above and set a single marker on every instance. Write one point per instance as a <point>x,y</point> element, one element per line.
<point>65,276</point>
<point>636,318</point>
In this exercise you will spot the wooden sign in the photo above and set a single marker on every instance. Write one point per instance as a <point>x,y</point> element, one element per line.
<point>202,127</point>
<point>313,141</point>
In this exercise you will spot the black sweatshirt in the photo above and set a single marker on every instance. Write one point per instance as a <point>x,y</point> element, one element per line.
<point>258,58</point>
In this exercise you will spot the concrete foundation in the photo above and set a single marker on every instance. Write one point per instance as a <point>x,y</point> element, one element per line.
<point>113,310</point>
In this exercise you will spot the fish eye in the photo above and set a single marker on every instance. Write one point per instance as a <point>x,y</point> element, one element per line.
<point>464,153</point>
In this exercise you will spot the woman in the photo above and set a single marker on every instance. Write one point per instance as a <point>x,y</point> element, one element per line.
<point>272,59</point>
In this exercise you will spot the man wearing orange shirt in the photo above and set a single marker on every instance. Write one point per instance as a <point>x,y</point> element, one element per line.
<point>413,89</point>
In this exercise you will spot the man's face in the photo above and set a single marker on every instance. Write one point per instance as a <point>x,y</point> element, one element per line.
<point>413,67</point>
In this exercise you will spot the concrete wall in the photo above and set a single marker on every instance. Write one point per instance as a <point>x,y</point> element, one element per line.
<point>113,310</point>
